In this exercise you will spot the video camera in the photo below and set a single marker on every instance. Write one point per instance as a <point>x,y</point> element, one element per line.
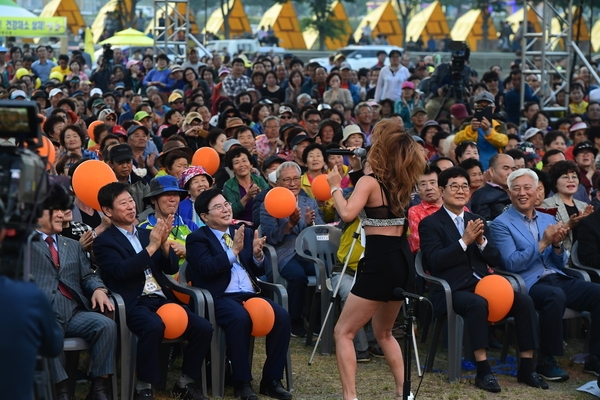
<point>460,53</point>
<point>25,189</point>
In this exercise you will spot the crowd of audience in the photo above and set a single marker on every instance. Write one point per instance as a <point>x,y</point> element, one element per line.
<point>271,122</point>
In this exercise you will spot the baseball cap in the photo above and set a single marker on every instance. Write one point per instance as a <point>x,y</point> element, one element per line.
<point>531,132</point>
<point>459,111</point>
<point>578,126</point>
<point>484,96</point>
<point>288,55</point>
<point>299,139</point>
<point>270,160</point>
<point>38,94</point>
<point>97,103</point>
<point>192,116</point>
<point>229,143</point>
<point>417,110</point>
<point>584,146</point>
<point>120,152</point>
<point>140,115</point>
<point>174,96</point>
<point>419,140</point>
<point>18,93</point>
<point>339,57</point>
<point>344,65</point>
<point>54,92</point>
<point>134,128</point>
<point>408,84</point>
<point>351,130</point>
<point>96,91</point>
<point>224,71</point>
<point>285,109</point>
<point>528,149</point>
<point>131,63</point>
<point>119,85</point>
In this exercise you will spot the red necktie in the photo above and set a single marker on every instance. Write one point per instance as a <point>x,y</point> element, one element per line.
<point>54,254</point>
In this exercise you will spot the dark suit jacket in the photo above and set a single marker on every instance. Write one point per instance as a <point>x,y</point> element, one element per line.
<point>443,255</point>
<point>208,264</point>
<point>588,237</point>
<point>75,270</point>
<point>489,201</point>
<point>122,269</point>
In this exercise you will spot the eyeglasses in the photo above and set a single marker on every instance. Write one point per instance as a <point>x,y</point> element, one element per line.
<point>313,121</point>
<point>569,178</point>
<point>454,187</point>
<point>287,181</point>
<point>221,207</point>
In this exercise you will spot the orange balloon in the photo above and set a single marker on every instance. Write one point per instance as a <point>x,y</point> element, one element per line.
<point>499,294</point>
<point>280,202</point>
<point>175,319</point>
<point>182,297</point>
<point>47,151</point>
<point>207,158</point>
<point>89,178</point>
<point>261,314</point>
<point>320,188</point>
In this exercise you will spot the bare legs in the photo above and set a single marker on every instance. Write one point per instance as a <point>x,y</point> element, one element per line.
<point>355,314</point>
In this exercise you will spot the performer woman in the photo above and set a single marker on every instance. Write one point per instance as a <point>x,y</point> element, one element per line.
<point>379,200</point>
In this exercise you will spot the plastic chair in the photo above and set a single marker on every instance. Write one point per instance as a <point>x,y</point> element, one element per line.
<point>319,244</point>
<point>129,340</point>
<point>73,346</point>
<point>217,351</point>
<point>593,272</point>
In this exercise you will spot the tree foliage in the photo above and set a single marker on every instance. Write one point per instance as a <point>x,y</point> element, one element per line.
<point>406,9</point>
<point>321,11</point>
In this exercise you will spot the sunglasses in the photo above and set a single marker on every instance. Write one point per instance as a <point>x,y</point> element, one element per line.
<point>285,117</point>
<point>111,119</point>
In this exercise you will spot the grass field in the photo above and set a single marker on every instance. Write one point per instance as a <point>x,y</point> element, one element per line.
<point>320,380</point>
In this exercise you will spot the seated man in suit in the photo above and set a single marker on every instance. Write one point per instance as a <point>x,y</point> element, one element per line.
<point>281,233</point>
<point>132,262</point>
<point>531,244</point>
<point>63,272</point>
<point>491,199</point>
<point>226,261</point>
<point>456,247</point>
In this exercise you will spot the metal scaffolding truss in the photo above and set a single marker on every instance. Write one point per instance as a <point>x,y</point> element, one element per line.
<point>172,29</point>
<point>540,47</point>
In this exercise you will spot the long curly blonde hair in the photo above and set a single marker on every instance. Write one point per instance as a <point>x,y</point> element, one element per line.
<point>397,163</point>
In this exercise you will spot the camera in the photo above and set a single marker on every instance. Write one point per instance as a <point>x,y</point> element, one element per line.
<point>108,53</point>
<point>459,52</point>
<point>25,189</point>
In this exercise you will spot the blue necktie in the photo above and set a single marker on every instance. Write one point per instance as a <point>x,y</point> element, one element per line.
<point>460,225</point>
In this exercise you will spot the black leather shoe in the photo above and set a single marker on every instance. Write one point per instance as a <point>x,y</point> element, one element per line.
<point>488,382</point>
<point>243,391</point>
<point>98,389</point>
<point>189,392</point>
<point>533,380</point>
<point>62,390</point>
<point>273,388</point>
<point>144,394</point>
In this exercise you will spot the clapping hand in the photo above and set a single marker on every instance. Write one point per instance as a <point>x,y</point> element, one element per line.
<point>238,240</point>
<point>473,231</point>
<point>575,218</point>
<point>257,246</point>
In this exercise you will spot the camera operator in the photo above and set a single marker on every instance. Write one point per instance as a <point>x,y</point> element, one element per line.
<point>101,76</point>
<point>32,331</point>
<point>449,81</point>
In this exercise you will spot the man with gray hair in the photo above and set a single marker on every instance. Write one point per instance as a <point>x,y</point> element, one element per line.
<point>281,233</point>
<point>364,116</point>
<point>532,246</point>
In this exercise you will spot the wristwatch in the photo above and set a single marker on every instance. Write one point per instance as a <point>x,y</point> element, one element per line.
<point>105,290</point>
<point>559,245</point>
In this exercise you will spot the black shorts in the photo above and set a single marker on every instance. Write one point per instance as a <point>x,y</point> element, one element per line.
<point>387,265</point>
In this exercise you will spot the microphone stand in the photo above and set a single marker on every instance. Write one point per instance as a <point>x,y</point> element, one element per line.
<point>408,338</point>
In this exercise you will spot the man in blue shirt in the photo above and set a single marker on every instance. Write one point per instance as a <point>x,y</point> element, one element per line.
<point>512,98</point>
<point>42,67</point>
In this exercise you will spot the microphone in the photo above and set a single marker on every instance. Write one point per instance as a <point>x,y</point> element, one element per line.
<point>360,152</point>
<point>399,292</point>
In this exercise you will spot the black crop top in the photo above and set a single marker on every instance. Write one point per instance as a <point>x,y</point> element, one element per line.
<point>381,215</point>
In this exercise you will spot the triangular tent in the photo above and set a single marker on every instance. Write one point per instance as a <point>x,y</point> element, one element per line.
<point>65,8</point>
<point>532,19</point>
<point>383,20</point>
<point>430,21</point>
<point>238,20</point>
<point>468,28</point>
<point>99,22</point>
<point>582,35</point>
<point>595,38</point>
<point>311,36</point>
<point>282,17</point>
